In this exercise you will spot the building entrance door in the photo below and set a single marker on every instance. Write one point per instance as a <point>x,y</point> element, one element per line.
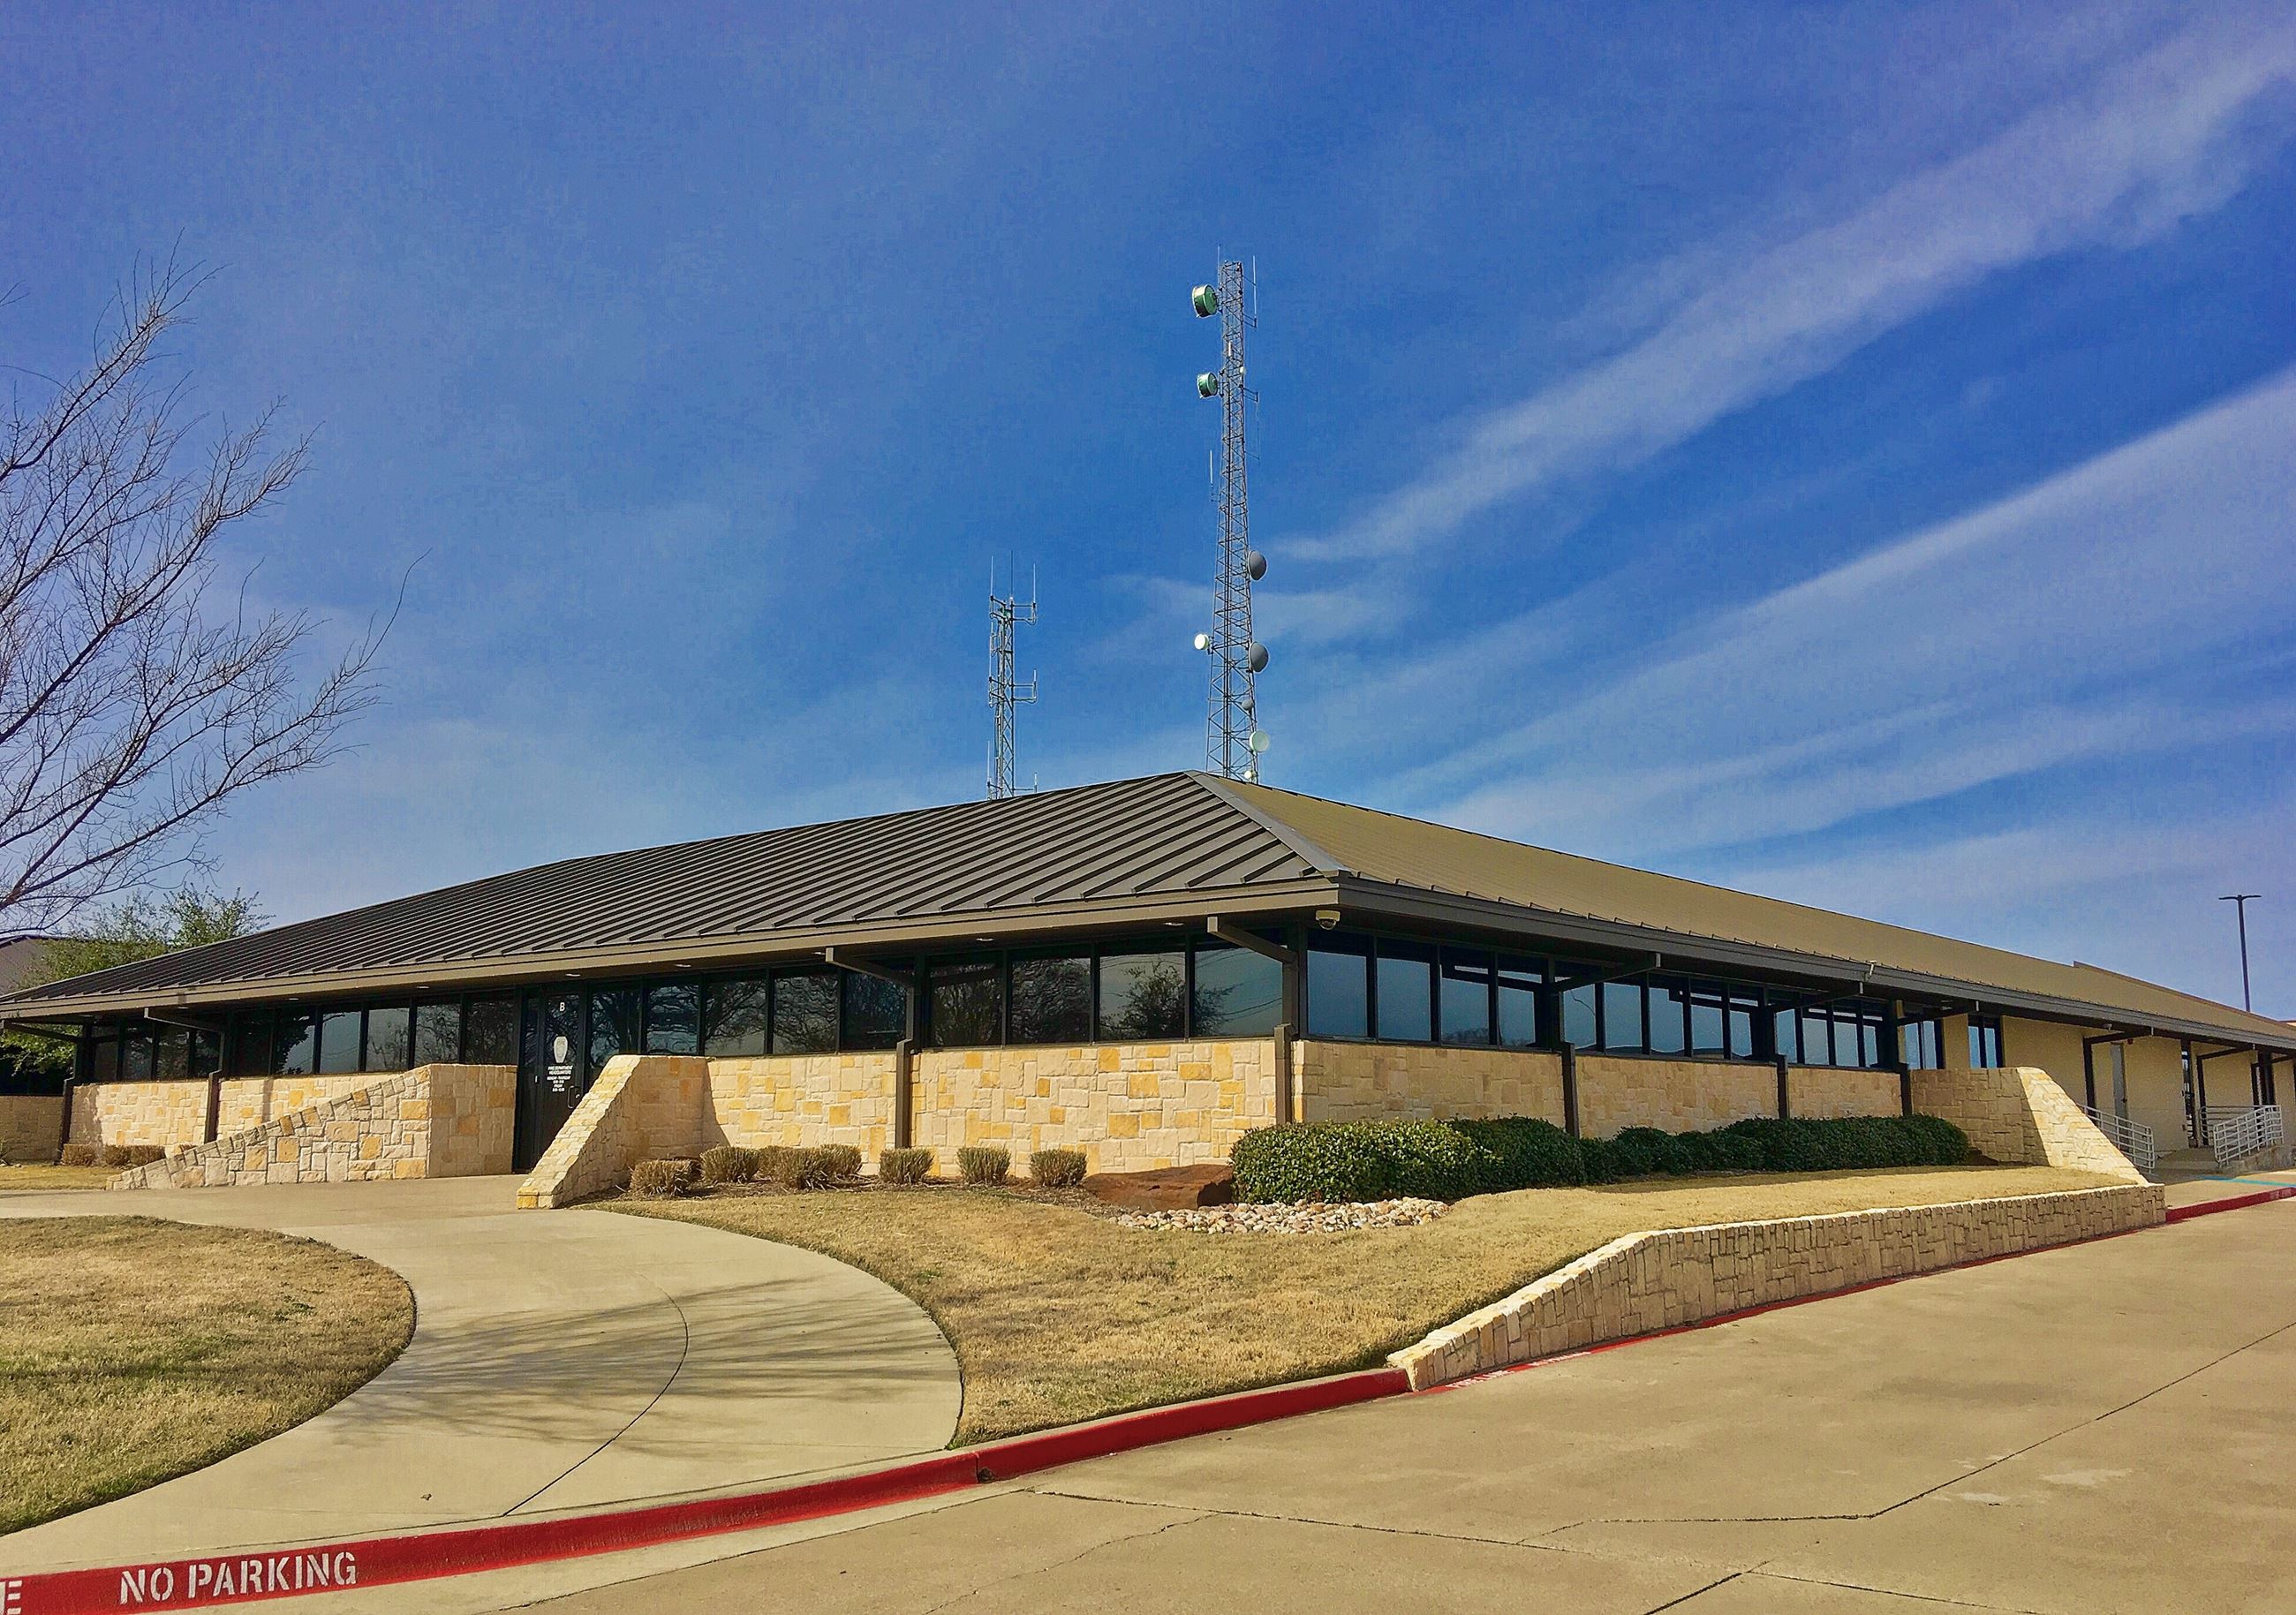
<point>550,1060</point>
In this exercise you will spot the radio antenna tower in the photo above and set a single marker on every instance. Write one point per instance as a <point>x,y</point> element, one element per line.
<point>1233,738</point>
<point>1005,691</point>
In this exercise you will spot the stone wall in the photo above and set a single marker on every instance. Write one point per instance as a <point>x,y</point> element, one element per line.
<point>642,1107</point>
<point>802,1101</point>
<point>1393,1081</point>
<point>1130,1107</point>
<point>162,1113</point>
<point>1668,1277</point>
<point>1676,1096</point>
<point>249,1101</point>
<point>1821,1092</point>
<point>29,1124</point>
<point>435,1121</point>
<point>2019,1116</point>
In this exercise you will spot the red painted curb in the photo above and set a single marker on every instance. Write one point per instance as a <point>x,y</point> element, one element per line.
<point>2230,1203</point>
<point>195,1583</point>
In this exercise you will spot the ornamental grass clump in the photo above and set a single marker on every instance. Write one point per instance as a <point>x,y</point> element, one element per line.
<point>842,1160</point>
<point>905,1166</point>
<point>984,1164</point>
<point>78,1155</point>
<point>728,1164</point>
<point>660,1179</point>
<point>1057,1169</point>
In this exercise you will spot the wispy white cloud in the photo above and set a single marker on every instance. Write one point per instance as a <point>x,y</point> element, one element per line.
<point>2159,139</point>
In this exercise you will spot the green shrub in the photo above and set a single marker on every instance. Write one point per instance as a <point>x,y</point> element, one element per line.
<point>1057,1169</point>
<point>661,1178</point>
<point>79,1155</point>
<point>983,1164</point>
<point>905,1166</point>
<point>1360,1160</point>
<point>842,1160</point>
<point>728,1164</point>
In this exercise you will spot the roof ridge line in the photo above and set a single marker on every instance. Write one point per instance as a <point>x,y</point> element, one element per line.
<point>1314,855</point>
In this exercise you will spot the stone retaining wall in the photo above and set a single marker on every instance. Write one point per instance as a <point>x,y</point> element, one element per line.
<point>642,1107</point>
<point>161,1113</point>
<point>30,1126</point>
<point>2018,1115</point>
<point>1668,1277</point>
<point>435,1121</point>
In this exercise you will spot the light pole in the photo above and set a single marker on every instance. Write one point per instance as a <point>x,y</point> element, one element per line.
<point>2240,901</point>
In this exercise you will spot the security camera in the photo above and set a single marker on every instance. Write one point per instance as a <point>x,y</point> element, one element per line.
<point>1328,918</point>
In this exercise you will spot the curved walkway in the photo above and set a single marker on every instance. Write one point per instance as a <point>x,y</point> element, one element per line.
<point>560,1360</point>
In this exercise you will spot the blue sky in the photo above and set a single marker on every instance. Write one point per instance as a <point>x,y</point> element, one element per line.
<point>1842,452</point>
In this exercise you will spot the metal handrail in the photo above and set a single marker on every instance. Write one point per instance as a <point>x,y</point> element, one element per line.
<point>2133,1139</point>
<point>2236,1132</point>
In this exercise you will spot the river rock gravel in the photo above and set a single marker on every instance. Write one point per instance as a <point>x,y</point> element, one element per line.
<point>1311,1217</point>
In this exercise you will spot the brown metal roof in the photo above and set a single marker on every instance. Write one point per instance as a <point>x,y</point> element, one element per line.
<point>1169,846</point>
<point>1411,853</point>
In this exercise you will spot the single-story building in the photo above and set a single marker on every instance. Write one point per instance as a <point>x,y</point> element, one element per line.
<point>1142,970</point>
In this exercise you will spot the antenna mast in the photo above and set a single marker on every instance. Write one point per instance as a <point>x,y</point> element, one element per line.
<point>1233,738</point>
<point>1005,691</point>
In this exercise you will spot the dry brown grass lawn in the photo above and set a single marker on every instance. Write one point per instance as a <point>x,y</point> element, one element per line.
<point>42,1177</point>
<point>132,1349</point>
<point>1058,1314</point>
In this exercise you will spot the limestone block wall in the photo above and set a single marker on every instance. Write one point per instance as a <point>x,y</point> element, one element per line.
<point>802,1101</point>
<point>435,1121</point>
<point>30,1126</point>
<point>1130,1107</point>
<point>1823,1092</point>
<point>1668,1277</point>
<point>1391,1081</point>
<point>1676,1096</point>
<point>248,1102</point>
<point>2020,1116</point>
<point>162,1113</point>
<point>640,1107</point>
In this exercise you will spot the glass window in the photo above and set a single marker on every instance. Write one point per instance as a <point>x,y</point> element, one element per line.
<point>438,1034</point>
<point>1579,1017</point>
<point>1706,1018</point>
<point>387,1035</point>
<point>1788,1032</point>
<point>1622,1015</point>
<point>207,1054</point>
<point>1520,981</point>
<point>1869,1042</point>
<point>1143,997</point>
<point>804,1012</point>
<point>967,1002</point>
<point>1816,1038</point>
<point>1339,993</point>
<point>1404,991</point>
<point>339,1041</point>
<point>1052,998</point>
<point>135,1061</point>
<point>295,1044</point>
<point>1741,1025</point>
<point>1238,993</point>
<point>673,1024</point>
<point>172,1053</point>
<point>248,1051</point>
<point>1463,997</point>
<point>490,1032</point>
<point>616,1026</point>
<point>103,1060</point>
<point>1984,1042</point>
<point>1669,1014</point>
<point>876,1013</point>
<point>734,1026</point>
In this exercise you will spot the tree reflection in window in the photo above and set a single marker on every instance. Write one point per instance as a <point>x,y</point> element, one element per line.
<point>1143,997</point>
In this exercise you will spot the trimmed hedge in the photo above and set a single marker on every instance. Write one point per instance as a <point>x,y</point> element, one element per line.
<point>1360,1160</point>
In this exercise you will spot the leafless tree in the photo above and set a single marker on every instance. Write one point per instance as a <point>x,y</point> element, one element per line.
<point>131,708</point>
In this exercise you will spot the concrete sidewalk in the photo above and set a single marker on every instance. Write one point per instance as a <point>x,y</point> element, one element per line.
<point>2096,1429</point>
<point>560,1360</point>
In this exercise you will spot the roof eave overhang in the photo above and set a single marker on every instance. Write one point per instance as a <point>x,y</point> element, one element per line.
<point>1006,926</point>
<point>1358,898</point>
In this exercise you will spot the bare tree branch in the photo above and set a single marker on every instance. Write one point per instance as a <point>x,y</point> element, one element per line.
<point>129,713</point>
